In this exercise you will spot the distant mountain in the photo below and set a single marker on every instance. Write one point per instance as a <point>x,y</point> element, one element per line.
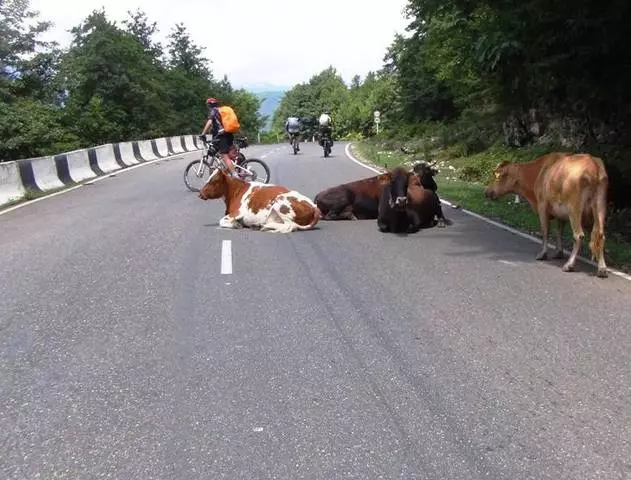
<point>271,100</point>
<point>264,87</point>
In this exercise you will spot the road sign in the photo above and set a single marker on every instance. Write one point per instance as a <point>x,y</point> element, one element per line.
<point>377,116</point>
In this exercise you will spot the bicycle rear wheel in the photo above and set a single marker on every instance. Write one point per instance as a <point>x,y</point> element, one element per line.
<point>259,171</point>
<point>197,180</point>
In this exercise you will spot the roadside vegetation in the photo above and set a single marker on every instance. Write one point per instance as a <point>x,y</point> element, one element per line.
<point>113,83</point>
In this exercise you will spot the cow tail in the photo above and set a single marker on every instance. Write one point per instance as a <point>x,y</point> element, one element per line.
<point>599,212</point>
<point>316,217</point>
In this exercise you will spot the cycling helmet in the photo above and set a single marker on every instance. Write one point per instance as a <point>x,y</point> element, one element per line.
<point>211,101</point>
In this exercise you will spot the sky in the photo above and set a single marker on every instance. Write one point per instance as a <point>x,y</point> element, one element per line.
<point>259,42</point>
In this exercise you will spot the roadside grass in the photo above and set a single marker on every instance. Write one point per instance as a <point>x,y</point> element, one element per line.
<point>456,184</point>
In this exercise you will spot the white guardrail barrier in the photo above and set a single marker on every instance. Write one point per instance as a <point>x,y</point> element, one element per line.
<point>67,169</point>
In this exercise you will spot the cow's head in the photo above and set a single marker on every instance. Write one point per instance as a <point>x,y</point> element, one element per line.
<point>426,172</point>
<point>504,181</point>
<point>397,180</point>
<point>215,187</point>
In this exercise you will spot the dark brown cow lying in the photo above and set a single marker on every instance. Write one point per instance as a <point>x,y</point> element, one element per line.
<point>358,200</point>
<point>564,187</point>
<point>405,205</point>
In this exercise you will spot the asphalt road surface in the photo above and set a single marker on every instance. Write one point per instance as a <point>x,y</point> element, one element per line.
<point>341,352</point>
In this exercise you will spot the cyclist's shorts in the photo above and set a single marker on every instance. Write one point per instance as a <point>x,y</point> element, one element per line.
<point>224,141</point>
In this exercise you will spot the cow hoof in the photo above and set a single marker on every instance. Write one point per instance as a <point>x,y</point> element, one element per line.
<point>568,267</point>
<point>559,254</point>
<point>602,273</point>
<point>441,224</point>
<point>542,256</point>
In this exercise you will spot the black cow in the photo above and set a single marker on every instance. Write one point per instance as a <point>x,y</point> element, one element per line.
<point>392,214</point>
<point>405,205</point>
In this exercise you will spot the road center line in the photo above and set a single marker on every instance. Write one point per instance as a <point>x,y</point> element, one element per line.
<point>226,257</point>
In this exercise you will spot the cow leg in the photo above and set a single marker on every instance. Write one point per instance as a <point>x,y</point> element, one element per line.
<point>559,252</point>
<point>275,223</point>
<point>577,230</point>
<point>597,243</point>
<point>441,217</point>
<point>544,221</point>
<point>414,221</point>
<point>347,213</point>
<point>229,222</point>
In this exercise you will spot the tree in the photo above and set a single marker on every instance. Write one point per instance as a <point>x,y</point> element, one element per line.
<point>115,91</point>
<point>185,55</point>
<point>139,26</point>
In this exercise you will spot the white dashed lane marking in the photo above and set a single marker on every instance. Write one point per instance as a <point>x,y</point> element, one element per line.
<point>226,257</point>
<point>508,262</point>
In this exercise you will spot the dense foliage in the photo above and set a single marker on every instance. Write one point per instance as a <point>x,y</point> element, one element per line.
<point>113,83</point>
<point>478,73</point>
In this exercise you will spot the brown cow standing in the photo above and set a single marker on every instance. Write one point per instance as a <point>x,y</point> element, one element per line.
<point>564,187</point>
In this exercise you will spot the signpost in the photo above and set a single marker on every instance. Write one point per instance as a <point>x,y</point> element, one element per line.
<point>377,119</point>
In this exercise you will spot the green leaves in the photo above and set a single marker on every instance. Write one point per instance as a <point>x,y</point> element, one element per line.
<point>111,84</point>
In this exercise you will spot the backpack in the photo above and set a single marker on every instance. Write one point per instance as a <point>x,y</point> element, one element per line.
<point>229,119</point>
<point>324,120</point>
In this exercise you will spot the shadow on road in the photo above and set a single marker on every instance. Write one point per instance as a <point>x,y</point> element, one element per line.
<point>475,238</point>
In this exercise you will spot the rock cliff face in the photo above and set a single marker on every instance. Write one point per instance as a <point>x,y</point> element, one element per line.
<point>534,126</point>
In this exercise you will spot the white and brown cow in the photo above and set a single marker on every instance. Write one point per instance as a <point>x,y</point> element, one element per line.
<point>260,206</point>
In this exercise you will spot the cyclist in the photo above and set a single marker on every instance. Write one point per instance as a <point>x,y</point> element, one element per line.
<point>223,140</point>
<point>292,127</point>
<point>325,125</point>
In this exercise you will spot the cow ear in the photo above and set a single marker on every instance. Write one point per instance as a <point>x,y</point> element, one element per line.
<point>385,178</point>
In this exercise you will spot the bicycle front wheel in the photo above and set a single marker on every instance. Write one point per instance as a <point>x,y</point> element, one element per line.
<point>194,177</point>
<point>258,170</point>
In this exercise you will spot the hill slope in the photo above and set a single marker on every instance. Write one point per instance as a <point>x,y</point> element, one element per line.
<point>271,100</point>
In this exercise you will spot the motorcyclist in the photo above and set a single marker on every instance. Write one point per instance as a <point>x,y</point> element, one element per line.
<point>326,124</point>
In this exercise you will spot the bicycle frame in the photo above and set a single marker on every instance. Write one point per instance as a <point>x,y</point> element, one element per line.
<point>217,160</point>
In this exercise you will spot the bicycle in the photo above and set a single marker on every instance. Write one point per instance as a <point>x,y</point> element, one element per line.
<point>294,143</point>
<point>211,160</point>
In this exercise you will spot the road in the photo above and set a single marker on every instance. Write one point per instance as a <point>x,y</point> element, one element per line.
<point>341,352</point>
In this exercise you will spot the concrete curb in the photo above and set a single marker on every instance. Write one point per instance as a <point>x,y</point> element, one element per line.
<point>71,170</point>
<point>613,271</point>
